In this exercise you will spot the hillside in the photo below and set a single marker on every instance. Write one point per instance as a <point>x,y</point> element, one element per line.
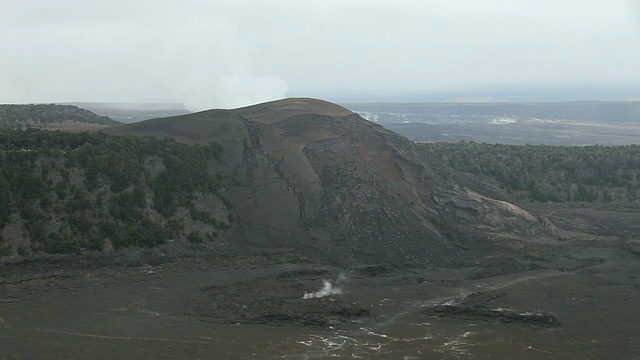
<point>302,174</point>
<point>72,193</point>
<point>549,173</point>
<point>311,175</point>
<point>50,116</point>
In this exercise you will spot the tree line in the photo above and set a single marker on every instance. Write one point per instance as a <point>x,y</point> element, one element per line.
<point>549,173</point>
<point>24,116</point>
<point>72,192</point>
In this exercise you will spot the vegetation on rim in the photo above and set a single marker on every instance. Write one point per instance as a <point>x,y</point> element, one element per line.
<point>38,115</point>
<point>69,193</point>
<point>550,173</point>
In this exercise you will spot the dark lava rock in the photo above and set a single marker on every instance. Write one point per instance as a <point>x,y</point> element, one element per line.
<point>481,298</point>
<point>370,270</point>
<point>306,273</point>
<point>633,246</point>
<point>276,300</point>
<point>500,314</point>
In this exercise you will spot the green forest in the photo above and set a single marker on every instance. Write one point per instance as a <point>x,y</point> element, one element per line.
<point>549,173</point>
<point>69,193</point>
<point>35,115</point>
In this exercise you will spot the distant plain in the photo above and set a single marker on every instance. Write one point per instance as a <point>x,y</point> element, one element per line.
<point>535,123</point>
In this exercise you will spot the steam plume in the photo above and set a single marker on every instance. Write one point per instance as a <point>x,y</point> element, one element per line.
<point>328,288</point>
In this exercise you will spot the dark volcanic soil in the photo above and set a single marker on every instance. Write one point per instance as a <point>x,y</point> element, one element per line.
<point>277,300</point>
<point>199,302</point>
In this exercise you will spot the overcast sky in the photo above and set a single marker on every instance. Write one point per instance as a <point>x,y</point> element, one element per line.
<point>230,53</point>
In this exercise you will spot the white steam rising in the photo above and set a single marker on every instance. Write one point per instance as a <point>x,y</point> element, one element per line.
<point>231,91</point>
<point>211,66</point>
<point>328,288</point>
<point>198,53</point>
<point>244,89</point>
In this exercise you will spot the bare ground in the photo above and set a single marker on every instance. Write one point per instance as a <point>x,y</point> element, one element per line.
<point>206,302</point>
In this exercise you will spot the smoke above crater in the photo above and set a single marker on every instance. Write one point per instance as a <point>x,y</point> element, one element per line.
<point>207,64</point>
<point>232,91</point>
<point>197,54</point>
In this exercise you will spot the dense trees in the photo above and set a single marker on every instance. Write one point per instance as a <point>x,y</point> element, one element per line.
<point>72,192</point>
<point>550,173</point>
<point>34,115</point>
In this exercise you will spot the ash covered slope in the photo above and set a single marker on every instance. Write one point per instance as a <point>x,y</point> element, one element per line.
<point>312,175</point>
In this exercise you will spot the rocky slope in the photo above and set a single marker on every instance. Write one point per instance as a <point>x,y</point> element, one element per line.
<point>314,176</point>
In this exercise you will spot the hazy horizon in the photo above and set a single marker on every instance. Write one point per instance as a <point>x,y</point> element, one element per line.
<point>523,94</point>
<point>219,54</point>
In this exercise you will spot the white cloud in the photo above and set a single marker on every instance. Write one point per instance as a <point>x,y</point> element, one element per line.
<point>229,53</point>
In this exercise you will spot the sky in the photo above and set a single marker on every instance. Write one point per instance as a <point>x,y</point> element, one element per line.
<point>226,54</point>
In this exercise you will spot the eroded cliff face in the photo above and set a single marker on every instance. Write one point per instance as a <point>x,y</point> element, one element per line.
<point>317,176</point>
<point>312,175</point>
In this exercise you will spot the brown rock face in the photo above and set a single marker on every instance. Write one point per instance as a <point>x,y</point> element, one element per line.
<point>312,175</point>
